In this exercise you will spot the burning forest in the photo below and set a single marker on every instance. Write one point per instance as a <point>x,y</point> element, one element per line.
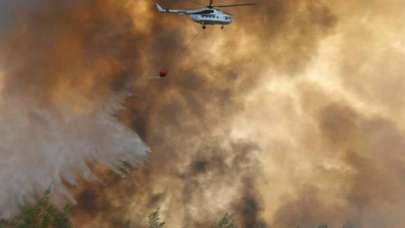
<point>292,116</point>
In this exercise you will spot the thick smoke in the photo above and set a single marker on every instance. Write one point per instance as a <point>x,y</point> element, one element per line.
<point>289,117</point>
<point>64,71</point>
<point>198,169</point>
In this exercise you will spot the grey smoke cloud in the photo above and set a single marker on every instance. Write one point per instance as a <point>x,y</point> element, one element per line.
<point>289,117</point>
<point>59,97</point>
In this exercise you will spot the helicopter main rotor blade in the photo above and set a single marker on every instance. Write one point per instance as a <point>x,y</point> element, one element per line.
<point>235,5</point>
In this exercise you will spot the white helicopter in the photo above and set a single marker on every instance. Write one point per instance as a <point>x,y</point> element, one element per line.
<point>210,15</point>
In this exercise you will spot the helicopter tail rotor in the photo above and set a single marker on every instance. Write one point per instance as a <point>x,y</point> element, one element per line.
<point>160,8</point>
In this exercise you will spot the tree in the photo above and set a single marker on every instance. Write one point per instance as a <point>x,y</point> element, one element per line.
<point>41,215</point>
<point>154,220</point>
<point>226,222</point>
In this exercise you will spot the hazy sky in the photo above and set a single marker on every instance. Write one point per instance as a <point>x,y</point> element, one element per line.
<point>292,116</point>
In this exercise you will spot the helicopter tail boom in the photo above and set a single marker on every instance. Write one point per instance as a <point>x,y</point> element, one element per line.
<point>174,11</point>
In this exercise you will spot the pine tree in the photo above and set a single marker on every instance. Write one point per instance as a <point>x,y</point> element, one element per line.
<point>154,220</point>
<point>226,222</point>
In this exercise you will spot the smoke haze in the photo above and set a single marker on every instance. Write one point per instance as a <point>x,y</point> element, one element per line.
<point>292,116</point>
<point>59,92</point>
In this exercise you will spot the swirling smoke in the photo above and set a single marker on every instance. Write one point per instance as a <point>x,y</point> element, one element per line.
<point>290,117</point>
<point>60,89</point>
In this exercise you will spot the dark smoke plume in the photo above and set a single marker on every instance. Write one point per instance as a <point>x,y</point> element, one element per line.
<point>64,74</point>
<point>286,118</point>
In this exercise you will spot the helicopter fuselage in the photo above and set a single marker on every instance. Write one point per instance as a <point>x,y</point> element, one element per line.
<point>203,16</point>
<point>211,17</point>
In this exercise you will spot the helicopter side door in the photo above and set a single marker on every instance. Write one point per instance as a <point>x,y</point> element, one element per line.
<point>205,17</point>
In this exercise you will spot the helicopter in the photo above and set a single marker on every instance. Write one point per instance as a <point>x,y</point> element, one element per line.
<point>210,15</point>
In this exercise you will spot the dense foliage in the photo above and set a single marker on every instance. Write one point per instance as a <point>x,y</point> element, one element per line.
<point>41,215</point>
<point>45,215</point>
